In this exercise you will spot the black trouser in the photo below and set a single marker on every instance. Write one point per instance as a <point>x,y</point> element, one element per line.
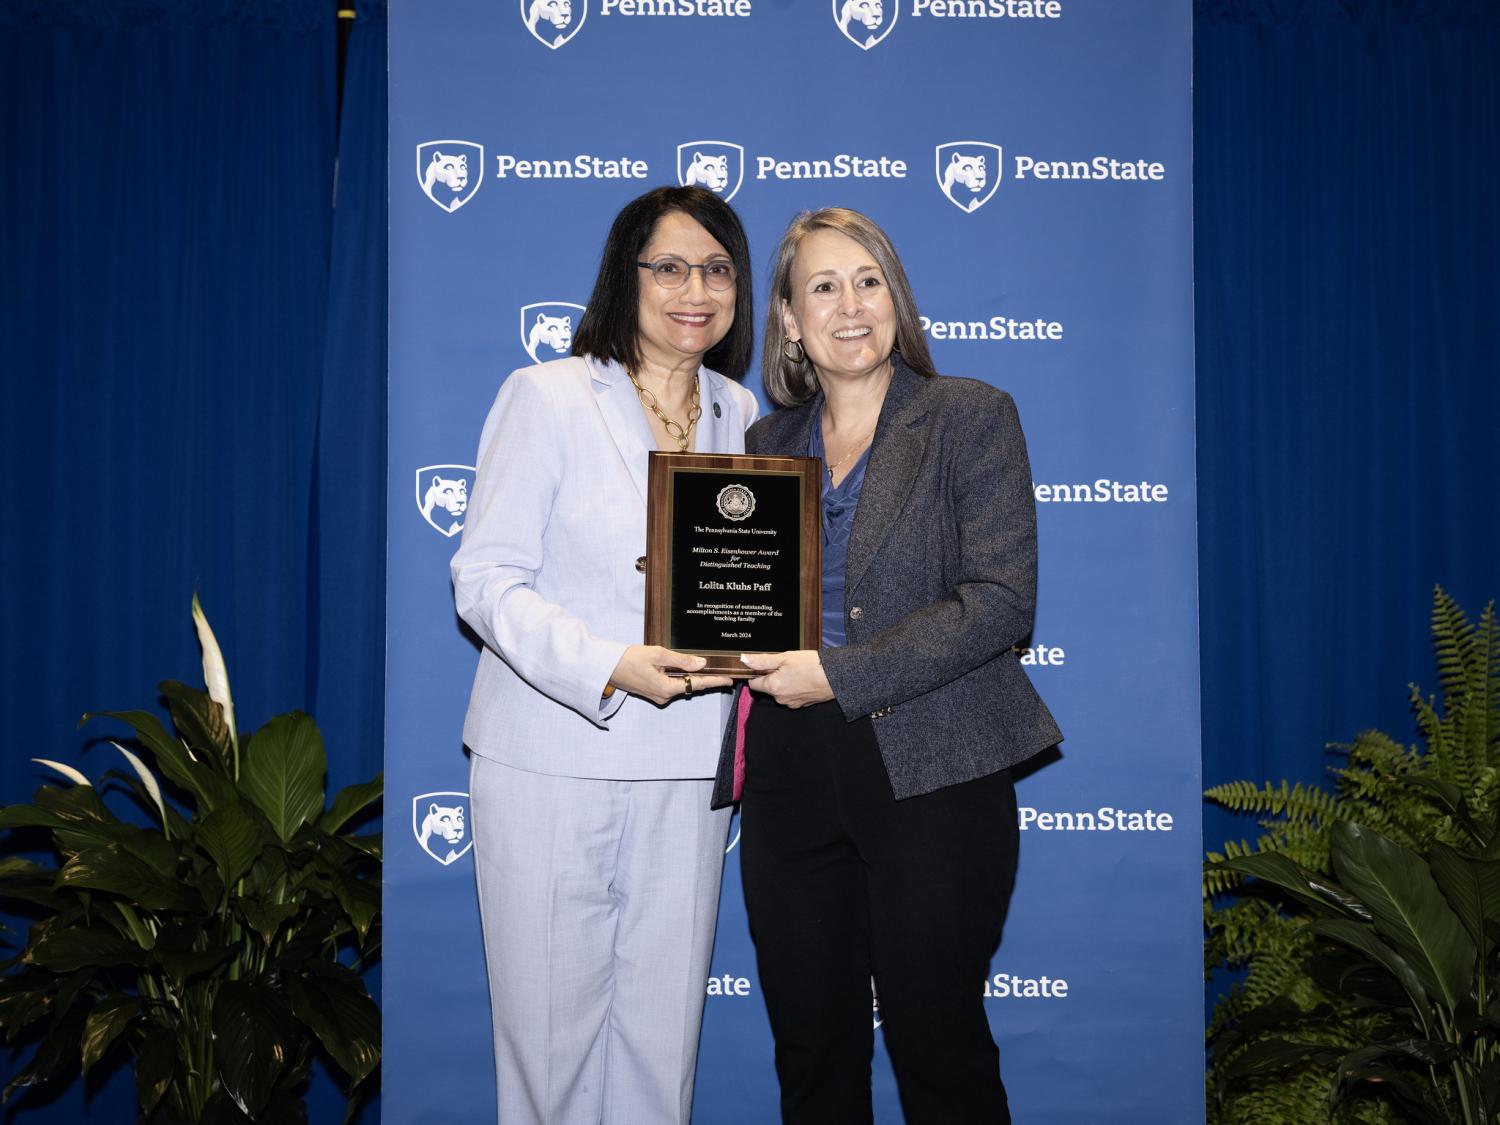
<point>844,883</point>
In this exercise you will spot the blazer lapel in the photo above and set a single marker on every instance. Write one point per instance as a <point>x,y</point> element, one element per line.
<point>787,431</point>
<point>716,432</point>
<point>895,457</point>
<point>620,407</point>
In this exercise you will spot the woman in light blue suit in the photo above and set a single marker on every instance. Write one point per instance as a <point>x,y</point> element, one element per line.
<point>597,856</point>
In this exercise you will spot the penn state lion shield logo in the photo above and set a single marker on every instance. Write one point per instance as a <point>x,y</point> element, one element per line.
<point>866,23</point>
<point>450,172</point>
<point>443,496</point>
<point>547,329</point>
<point>553,22</point>
<point>968,172</point>
<point>438,822</point>
<point>718,166</point>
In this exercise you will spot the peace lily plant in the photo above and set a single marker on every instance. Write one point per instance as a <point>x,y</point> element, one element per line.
<point>220,946</point>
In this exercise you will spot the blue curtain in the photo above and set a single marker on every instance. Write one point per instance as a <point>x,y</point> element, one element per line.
<point>346,590</point>
<point>1348,324</point>
<point>192,376</point>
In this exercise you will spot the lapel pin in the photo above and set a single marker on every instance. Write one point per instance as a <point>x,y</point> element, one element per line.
<point>718,411</point>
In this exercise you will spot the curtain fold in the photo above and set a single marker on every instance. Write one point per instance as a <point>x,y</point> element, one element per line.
<point>1348,328</point>
<point>346,571</point>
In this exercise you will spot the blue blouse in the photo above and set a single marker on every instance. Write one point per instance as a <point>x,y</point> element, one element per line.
<point>839,506</point>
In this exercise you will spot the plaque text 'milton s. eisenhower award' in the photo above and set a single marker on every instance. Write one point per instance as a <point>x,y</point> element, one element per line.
<point>733,556</point>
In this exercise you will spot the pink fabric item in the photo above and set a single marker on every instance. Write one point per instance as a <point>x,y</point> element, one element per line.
<point>742,714</point>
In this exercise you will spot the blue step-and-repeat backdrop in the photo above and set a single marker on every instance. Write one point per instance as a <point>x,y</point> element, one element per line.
<point>1032,161</point>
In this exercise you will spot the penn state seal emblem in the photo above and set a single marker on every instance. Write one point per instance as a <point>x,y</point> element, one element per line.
<point>736,502</point>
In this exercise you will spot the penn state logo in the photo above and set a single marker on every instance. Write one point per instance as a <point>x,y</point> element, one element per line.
<point>736,502</point>
<point>718,166</point>
<point>547,329</point>
<point>450,172</point>
<point>968,172</point>
<point>438,822</point>
<point>553,22</point>
<point>443,496</point>
<point>866,23</point>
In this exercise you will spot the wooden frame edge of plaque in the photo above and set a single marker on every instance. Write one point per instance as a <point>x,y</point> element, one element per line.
<point>659,513</point>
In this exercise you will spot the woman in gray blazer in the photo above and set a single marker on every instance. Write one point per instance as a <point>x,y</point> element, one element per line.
<point>879,836</point>
<point>597,856</point>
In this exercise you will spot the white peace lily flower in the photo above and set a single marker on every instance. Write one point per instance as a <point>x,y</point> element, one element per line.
<point>67,771</point>
<point>215,675</point>
<point>147,778</point>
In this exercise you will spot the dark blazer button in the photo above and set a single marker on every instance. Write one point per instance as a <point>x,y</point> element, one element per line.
<point>718,411</point>
<point>640,564</point>
<point>856,614</point>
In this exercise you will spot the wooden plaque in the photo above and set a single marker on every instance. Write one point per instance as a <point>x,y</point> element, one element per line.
<point>733,556</point>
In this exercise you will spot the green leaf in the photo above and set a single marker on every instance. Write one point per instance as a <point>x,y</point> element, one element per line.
<point>1309,888</point>
<point>1409,910</point>
<point>57,1053</point>
<point>15,867</point>
<point>351,800</point>
<point>82,947</point>
<point>200,721</point>
<point>1270,1056</point>
<point>1472,888</point>
<point>361,902</point>
<point>369,843</point>
<point>29,882</point>
<point>179,828</point>
<point>232,836</point>
<point>203,780</point>
<point>1363,938</point>
<point>27,816</point>
<point>1451,798</point>
<point>282,771</point>
<point>254,1038</point>
<point>112,870</point>
<point>1415,1107</point>
<point>265,918</point>
<point>220,1110</point>
<point>338,1010</point>
<point>179,949</point>
<point>20,1010</point>
<point>104,1024</point>
<point>154,1064</point>
<point>78,804</point>
<point>146,844</point>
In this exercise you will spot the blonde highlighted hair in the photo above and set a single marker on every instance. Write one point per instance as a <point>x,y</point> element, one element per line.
<point>789,383</point>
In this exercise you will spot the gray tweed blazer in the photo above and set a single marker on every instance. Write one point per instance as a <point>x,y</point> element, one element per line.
<point>939,585</point>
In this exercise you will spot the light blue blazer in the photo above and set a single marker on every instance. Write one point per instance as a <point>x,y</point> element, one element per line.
<point>546,576</point>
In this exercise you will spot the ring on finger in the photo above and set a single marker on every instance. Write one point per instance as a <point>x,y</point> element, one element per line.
<point>687,683</point>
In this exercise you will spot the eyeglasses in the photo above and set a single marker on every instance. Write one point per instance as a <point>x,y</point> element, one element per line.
<point>673,272</point>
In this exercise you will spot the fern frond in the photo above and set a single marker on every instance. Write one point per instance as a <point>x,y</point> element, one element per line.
<point>1489,633</point>
<point>1483,689</point>
<point>1451,640</point>
<point>1378,783</point>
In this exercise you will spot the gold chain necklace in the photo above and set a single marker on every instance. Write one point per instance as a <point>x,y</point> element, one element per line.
<point>675,430</point>
<point>855,448</point>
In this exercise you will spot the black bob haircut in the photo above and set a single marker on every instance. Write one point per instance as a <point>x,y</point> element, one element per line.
<point>610,328</point>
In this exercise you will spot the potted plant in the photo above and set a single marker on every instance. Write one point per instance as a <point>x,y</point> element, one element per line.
<point>1367,932</point>
<point>221,944</point>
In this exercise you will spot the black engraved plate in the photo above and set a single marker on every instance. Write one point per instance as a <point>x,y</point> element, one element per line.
<point>733,556</point>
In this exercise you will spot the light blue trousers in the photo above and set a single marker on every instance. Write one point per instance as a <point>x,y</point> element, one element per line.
<point>598,900</point>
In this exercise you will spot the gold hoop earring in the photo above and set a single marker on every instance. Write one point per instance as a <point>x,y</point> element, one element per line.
<point>801,351</point>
